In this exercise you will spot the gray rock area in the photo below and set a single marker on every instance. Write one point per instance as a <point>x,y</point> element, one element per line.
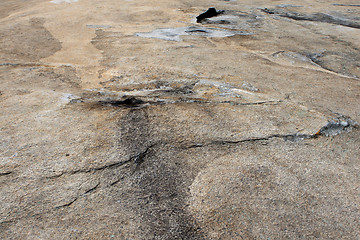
<point>129,120</point>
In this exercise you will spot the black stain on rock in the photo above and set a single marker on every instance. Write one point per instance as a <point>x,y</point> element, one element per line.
<point>161,201</point>
<point>130,102</point>
<point>135,131</point>
<point>211,12</point>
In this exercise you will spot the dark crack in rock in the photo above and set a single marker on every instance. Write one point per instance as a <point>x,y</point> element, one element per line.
<point>346,5</point>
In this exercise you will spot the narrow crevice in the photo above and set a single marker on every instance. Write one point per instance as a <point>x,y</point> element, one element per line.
<point>112,165</point>
<point>288,137</point>
<point>67,204</point>
<point>137,103</point>
<point>9,64</point>
<point>5,173</point>
<point>116,181</point>
<point>346,5</point>
<point>136,159</point>
<point>251,103</point>
<point>80,195</point>
<point>334,127</point>
<point>92,189</point>
<point>140,158</point>
<point>227,102</point>
<point>55,176</point>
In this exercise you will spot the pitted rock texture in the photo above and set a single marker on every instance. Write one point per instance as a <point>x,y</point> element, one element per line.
<point>244,127</point>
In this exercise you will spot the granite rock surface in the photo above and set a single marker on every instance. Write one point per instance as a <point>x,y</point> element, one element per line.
<point>129,120</point>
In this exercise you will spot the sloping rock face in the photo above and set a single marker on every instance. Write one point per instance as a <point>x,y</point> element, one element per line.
<point>130,120</point>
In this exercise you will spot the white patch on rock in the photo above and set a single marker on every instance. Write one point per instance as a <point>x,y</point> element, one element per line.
<point>173,34</point>
<point>66,98</point>
<point>98,26</point>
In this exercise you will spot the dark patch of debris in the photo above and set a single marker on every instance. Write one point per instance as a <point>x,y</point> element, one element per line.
<point>183,90</point>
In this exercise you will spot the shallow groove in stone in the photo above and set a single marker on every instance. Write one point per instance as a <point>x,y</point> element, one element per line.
<point>316,17</point>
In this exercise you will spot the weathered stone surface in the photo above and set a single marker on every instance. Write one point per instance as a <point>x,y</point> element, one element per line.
<point>244,127</point>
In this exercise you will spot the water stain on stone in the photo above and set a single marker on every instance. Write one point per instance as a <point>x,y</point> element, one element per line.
<point>158,183</point>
